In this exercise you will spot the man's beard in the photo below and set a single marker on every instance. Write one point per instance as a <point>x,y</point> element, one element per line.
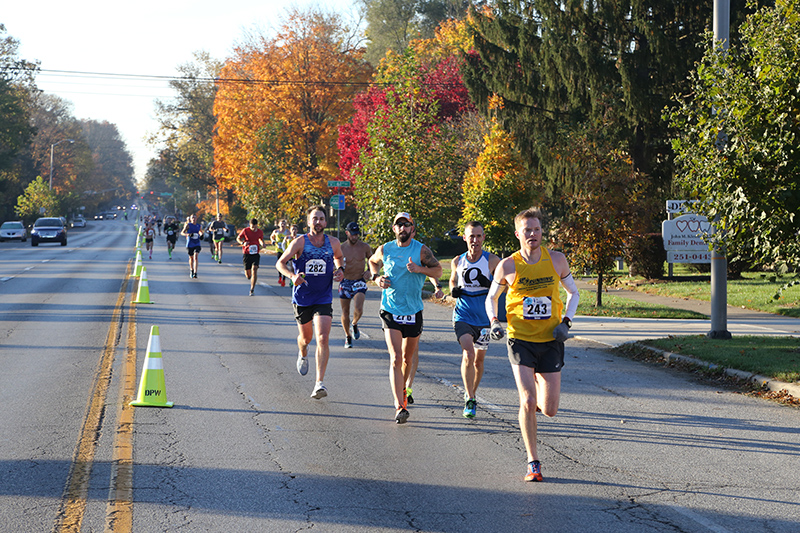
<point>403,237</point>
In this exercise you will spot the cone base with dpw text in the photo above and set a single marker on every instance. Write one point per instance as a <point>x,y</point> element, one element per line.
<point>152,390</point>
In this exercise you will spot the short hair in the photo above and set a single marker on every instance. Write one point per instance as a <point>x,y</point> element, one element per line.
<point>316,208</point>
<point>473,224</point>
<point>254,221</point>
<point>532,212</point>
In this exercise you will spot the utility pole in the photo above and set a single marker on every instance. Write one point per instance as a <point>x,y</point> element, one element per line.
<point>719,264</point>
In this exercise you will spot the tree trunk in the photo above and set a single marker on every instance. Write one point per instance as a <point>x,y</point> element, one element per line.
<point>599,302</point>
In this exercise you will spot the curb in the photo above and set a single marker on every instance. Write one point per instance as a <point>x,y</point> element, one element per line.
<point>763,381</point>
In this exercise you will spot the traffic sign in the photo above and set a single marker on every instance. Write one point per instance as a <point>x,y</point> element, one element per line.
<point>337,202</point>
<point>338,184</point>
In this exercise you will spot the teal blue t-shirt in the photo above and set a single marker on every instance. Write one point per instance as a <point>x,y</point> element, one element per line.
<point>404,297</point>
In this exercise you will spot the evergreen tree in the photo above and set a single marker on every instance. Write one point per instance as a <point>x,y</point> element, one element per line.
<point>557,65</point>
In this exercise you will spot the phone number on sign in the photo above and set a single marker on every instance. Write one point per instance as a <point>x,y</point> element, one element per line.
<point>688,257</point>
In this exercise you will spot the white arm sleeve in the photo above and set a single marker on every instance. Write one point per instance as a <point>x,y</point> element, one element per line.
<point>491,298</point>
<point>573,296</point>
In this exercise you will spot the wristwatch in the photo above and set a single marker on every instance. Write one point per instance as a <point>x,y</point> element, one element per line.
<point>375,276</point>
<point>567,321</point>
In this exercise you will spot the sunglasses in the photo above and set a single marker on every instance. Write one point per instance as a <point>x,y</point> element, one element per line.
<point>404,224</point>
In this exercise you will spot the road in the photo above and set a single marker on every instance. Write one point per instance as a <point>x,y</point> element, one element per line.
<point>634,448</point>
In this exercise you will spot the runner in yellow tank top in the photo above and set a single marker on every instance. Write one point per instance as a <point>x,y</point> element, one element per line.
<point>536,329</point>
<point>533,303</point>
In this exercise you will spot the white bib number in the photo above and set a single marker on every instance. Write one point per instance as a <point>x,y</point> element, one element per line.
<point>194,236</point>
<point>170,232</point>
<point>315,267</point>
<point>483,341</point>
<point>537,307</point>
<point>406,320</point>
<point>252,249</point>
<point>358,285</point>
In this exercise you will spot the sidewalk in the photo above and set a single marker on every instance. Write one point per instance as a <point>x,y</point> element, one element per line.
<point>613,331</point>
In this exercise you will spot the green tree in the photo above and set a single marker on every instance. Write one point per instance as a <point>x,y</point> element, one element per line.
<point>37,196</point>
<point>187,121</point>
<point>112,173</point>
<point>16,130</point>
<point>391,25</point>
<point>558,64</point>
<point>740,125</point>
<point>606,209</point>
<point>410,165</point>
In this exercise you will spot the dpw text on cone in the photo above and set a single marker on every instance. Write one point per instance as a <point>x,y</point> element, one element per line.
<point>152,390</point>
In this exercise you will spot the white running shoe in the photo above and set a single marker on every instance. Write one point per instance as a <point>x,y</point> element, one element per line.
<point>302,364</point>
<point>319,391</point>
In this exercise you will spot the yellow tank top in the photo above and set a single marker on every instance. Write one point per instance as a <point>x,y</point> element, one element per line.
<point>533,302</point>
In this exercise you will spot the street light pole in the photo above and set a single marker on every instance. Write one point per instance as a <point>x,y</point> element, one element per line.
<point>719,263</point>
<point>51,158</point>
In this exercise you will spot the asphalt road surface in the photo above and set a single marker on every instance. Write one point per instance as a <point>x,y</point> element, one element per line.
<point>634,448</point>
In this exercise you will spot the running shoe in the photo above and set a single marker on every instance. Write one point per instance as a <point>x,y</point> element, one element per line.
<point>191,274</point>
<point>534,471</point>
<point>319,391</point>
<point>409,398</point>
<point>469,408</point>
<point>194,274</point>
<point>251,292</point>
<point>348,342</point>
<point>219,260</point>
<point>401,416</point>
<point>302,364</point>
<point>281,282</point>
<point>356,333</point>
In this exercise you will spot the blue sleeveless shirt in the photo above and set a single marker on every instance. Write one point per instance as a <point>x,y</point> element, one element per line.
<point>317,264</point>
<point>404,297</point>
<point>470,308</point>
<point>194,235</point>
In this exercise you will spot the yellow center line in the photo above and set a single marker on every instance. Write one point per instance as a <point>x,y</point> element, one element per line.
<point>119,509</point>
<point>73,501</point>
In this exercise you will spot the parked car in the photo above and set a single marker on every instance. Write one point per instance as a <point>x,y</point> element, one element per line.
<point>49,229</point>
<point>13,229</point>
<point>78,221</point>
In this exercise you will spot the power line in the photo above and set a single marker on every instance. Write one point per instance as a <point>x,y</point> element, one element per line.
<point>200,79</point>
<point>208,79</point>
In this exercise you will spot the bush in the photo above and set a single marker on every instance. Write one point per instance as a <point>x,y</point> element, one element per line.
<point>646,256</point>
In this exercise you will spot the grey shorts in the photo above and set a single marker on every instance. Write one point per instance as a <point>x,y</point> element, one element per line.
<point>479,339</point>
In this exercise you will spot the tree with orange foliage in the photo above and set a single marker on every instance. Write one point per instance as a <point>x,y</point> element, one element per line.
<point>279,105</point>
<point>497,188</point>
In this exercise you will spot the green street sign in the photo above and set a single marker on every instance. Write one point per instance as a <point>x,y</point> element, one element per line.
<point>338,184</point>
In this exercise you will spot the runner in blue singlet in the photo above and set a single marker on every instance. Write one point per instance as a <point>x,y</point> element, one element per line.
<point>316,262</point>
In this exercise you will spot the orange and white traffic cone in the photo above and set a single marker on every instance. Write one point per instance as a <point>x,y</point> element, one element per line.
<point>143,296</point>
<point>152,389</point>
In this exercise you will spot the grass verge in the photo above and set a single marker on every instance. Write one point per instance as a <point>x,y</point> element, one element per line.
<point>774,357</point>
<point>754,291</point>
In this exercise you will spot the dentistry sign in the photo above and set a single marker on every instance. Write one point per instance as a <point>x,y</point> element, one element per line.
<point>683,236</point>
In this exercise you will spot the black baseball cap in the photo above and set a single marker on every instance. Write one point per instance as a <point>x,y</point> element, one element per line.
<point>352,227</point>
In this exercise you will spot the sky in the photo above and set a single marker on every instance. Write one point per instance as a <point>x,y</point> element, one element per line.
<point>148,37</point>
